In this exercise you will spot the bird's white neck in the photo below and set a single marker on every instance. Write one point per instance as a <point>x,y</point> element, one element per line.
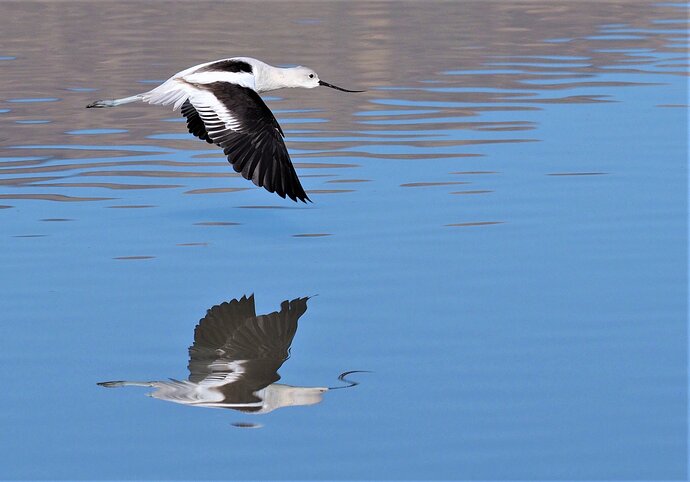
<point>267,77</point>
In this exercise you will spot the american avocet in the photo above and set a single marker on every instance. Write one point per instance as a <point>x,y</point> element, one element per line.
<point>221,103</point>
<point>235,358</point>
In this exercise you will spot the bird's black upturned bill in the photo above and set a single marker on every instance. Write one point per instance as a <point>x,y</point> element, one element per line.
<point>326,84</point>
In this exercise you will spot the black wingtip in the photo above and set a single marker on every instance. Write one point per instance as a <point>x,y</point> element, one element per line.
<point>100,103</point>
<point>295,196</point>
<point>299,199</point>
<point>112,384</point>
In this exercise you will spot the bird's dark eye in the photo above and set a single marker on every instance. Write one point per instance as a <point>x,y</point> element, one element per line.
<point>311,76</point>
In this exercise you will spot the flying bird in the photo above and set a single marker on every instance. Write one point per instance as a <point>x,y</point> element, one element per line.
<point>234,361</point>
<point>221,103</point>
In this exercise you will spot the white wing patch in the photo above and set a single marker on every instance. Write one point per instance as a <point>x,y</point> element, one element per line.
<point>244,79</point>
<point>215,115</point>
<point>172,91</point>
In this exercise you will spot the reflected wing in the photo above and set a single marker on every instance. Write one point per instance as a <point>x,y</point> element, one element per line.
<point>267,337</point>
<point>237,119</point>
<point>233,345</point>
<point>220,322</point>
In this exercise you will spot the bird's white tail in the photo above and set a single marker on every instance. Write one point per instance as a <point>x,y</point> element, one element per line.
<point>115,102</point>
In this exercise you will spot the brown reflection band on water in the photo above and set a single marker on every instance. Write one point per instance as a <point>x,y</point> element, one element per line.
<point>329,191</point>
<point>211,155</point>
<point>504,108</point>
<point>321,165</point>
<point>571,99</point>
<point>525,71</point>
<point>371,155</point>
<point>22,181</point>
<point>132,206</point>
<point>347,181</point>
<point>465,173</point>
<point>640,71</point>
<point>577,174</point>
<point>302,176</point>
<point>5,206</point>
<point>67,152</point>
<point>133,257</point>
<point>56,219</point>
<point>361,136</point>
<point>108,185</point>
<point>475,223</point>
<point>53,197</point>
<point>424,120</point>
<point>431,184</point>
<point>217,190</point>
<point>271,207</point>
<point>435,144</point>
<point>481,191</point>
<point>191,244</point>
<point>28,162</point>
<point>502,129</point>
<point>311,235</point>
<point>578,85</point>
<point>162,174</point>
<point>91,165</point>
<point>217,223</point>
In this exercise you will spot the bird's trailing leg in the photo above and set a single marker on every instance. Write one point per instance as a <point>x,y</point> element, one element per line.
<point>118,383</point>
<point>115,102</point>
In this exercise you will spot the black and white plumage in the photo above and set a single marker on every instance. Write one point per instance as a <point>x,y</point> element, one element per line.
<point>235,358</point>
<point>221,103</point>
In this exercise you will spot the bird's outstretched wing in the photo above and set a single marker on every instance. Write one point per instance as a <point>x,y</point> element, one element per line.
<point>237,119</point>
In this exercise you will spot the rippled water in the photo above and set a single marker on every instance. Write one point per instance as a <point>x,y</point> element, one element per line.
<point>498,236</point>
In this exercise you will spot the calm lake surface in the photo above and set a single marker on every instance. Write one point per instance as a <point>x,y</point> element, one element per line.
<point>498,236</point>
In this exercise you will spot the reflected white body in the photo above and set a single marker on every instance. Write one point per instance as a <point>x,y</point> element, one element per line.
<point>276,395</point>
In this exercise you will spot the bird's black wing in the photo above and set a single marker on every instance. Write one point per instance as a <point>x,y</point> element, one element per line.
<point>237,119</point>
<point>194,123</point>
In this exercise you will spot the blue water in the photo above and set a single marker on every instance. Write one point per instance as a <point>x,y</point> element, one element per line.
<point>504,253</point>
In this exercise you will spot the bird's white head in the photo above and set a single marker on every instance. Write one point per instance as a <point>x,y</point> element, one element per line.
<point>303,77</point>
<point>308,79</point>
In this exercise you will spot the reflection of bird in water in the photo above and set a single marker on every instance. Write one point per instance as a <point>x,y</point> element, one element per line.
<point>235,358</point>
<point>222,105</point>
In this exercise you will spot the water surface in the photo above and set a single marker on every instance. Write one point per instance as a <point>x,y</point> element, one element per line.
<point>498,235</point>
